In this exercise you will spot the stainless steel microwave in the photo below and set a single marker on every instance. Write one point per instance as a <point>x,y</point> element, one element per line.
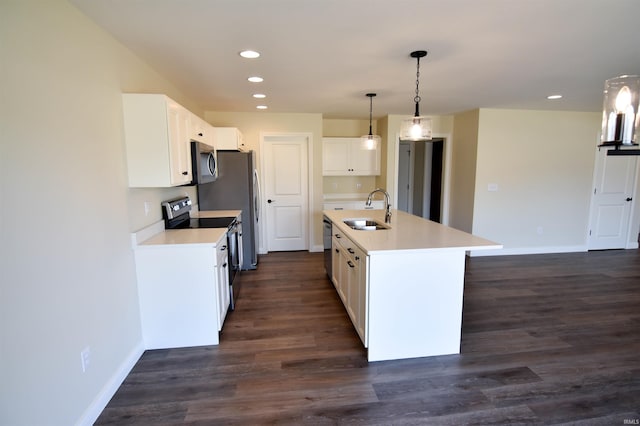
<point>204,162</point>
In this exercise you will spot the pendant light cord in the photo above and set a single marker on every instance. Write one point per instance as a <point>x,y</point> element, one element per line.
<point>417,98</point>
<point>370,114</point>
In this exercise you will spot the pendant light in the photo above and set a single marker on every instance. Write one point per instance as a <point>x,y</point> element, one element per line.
<point>370,141</point>
<point>416,128</point>
<point>620,118</point>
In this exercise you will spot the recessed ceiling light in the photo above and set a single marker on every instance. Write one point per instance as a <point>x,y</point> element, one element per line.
<point>554,97</point>
<point>259,95</point>
<point>256,79</point>
<point>261,107</point>
<point>249,54</point>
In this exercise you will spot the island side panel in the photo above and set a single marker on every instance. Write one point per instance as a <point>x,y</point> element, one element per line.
<point>415,304</point>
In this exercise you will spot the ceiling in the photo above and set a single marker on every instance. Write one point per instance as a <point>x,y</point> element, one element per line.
<point>323,56</point>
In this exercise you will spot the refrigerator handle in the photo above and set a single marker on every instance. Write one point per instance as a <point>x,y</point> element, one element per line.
<point>258,200</point>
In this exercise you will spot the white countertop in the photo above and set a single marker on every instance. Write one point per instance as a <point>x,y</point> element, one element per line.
<point>200,236</point>
<point>406,232</point>
<point>155,235</point>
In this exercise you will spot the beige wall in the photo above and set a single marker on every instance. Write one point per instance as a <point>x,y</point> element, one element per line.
<point>68,276</point>
<point>463,169</point>
<point>542,163</point>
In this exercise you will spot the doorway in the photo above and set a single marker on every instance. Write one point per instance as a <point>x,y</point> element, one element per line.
<point>611,201</point>
<point>420,168</point>
<point>286,191</point>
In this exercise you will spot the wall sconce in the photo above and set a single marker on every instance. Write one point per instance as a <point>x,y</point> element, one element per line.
<point>370,141</point>
<point>620,118</point>
<point>416,128</point>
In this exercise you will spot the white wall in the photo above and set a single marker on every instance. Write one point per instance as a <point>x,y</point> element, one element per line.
<point>68,277</point>
<point>542,163</point>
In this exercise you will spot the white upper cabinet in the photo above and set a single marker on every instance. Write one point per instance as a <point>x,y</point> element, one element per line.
<point>157,139</point>
<point>229,138</point>
<point>201,131</point>
<point>349,157</point>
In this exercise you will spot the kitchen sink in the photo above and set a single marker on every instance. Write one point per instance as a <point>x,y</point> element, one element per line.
<point>365,224</point>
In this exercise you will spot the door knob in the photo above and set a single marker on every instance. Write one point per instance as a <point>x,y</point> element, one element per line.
<point>269,201</point>
<point>629,198</point>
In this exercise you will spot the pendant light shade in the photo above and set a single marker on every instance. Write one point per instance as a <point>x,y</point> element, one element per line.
<point>620,118</point>
<point>416,128</point>
<point>370,141</point>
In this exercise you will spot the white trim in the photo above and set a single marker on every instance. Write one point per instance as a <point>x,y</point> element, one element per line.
<point>528,250</point>
<point>93,411</point>
<point>317,249</point>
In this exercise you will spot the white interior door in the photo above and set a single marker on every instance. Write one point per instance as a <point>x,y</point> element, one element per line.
<point>612,200</point>
<point>286,192</point>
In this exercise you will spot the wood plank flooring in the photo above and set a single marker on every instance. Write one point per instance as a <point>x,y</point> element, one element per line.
<point>547,339</point>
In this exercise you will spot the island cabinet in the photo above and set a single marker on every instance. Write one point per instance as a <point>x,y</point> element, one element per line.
<point>350,279</point>
<point>402,286</point>
<point>183,287</point>
<point>349,157</point>
<point>157,133</point>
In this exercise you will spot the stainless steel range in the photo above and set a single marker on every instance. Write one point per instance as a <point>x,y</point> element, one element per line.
<point>176,215</point>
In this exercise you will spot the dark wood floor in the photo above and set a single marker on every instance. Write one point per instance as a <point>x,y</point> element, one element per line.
<point>547,339</point>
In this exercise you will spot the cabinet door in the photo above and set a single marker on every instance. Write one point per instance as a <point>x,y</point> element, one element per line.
<point>200,130</point>
<point>364,161</point>
<point>353,299</point>
<point>361,294</point>
<point>224,295</point>
<point>228,138</point>
<point>335,157</point>
<point>179,152</point>
<point>343,277</point>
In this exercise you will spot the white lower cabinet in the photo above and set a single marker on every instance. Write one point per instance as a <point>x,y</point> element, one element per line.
<point>222,273</point>
<point>350,274</point>
<point>183,293</point>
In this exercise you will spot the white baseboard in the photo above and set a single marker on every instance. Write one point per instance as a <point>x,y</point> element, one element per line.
<point>99,403</point>
<point>316,248</point>
<point>528,250</point>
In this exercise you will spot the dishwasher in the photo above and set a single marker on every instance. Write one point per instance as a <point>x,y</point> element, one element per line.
<point>326,223</point>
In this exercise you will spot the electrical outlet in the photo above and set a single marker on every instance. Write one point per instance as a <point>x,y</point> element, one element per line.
<point>85,358</point>
<point>492,187</point>
<point>147,208</point>
<point>358,186</point>
<point>539,230</point>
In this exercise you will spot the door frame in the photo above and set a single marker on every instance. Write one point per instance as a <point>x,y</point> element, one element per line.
<point>308,136</point>
<point>392,178</point>
<point>632,209</point>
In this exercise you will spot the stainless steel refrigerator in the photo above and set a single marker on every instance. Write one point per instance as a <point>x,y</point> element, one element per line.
<point>237,188</point>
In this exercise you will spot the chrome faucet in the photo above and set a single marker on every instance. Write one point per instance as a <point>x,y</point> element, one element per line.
<point>387,214</point>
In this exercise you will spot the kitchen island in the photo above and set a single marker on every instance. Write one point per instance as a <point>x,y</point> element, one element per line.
<point>402,285</point>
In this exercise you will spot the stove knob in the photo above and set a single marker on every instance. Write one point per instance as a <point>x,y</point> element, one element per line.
<point>176,208</point>
<point>188,202</point>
